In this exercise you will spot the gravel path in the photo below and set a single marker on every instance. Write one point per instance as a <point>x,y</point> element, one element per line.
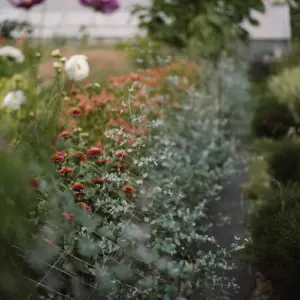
<point>233,206</point>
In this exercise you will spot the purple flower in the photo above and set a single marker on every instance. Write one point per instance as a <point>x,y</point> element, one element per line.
<point>27,4</point>
<point>104,6</point>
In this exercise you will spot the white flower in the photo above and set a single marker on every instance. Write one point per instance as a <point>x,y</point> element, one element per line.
<point>77,67</point>
<point>12,52</point>
<point>14,99</point>
<point>55,53</point>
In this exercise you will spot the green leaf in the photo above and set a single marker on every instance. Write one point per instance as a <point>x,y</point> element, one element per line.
<point>253,22</point>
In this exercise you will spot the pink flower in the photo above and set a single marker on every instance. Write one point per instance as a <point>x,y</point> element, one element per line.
<point>26,4</point>
<point>65,134</point>
<point>94,152</point>
<point>59,157</point>
<point>102,161</point>
<point>66,171</point>
<point>70,217</point>
<point>99,181</point>
<point>121,155</point>
<point>104,6</point>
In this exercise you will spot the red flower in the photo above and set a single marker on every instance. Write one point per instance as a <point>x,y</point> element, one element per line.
<point>80,156</point>
<point>65,134</point>
<point>78,187</point>
<point>70,217</point>
<point>66,171</point>
<point>102,161</point>
<point>131,141</point>
<point>75,112</point>
<point>35,183</point>
<point>128,190</point>
<point>79,195</point>
<point>59,157</point>
<point>121,155</point>
<point>85,206</point>
<point>95,151</point>
<point>122,169</point>
<point>99,180</point>
<point>49,243</point>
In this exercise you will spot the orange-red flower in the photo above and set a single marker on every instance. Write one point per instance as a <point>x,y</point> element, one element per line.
<point>75,112</point>
<point>66,171</point>
<point>121,155</point>
<point>80,156</point>
<point>59,157</point>
<point>78,187</point>
<point>99,180</point>
<point>102,161</point>
<point>85,206</point>
<point>65,134</point>
<point>95,151</point>
<point>128,190</point>
<point>21,42</point>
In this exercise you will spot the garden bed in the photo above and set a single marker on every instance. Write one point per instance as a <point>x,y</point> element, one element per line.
<point>121,179</point>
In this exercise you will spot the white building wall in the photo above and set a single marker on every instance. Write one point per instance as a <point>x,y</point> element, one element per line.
<point>65,17</point>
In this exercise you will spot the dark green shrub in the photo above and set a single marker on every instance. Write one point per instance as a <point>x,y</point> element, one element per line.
<point>270,118</point>
<point>9,27</point>
<point>275,244</point>
<point>290,59</point>
<point>284,161</point>
<point>259,71</point>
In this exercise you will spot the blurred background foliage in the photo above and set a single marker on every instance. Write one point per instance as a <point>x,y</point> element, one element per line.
<point>213,24</point>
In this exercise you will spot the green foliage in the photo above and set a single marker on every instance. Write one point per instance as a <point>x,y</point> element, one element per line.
<point>259,179</point>
<point>285,86</point>
<point>284,161</point>
<point>259,72</point>
<point>178,22</point>
<point>275,238</point>
<point>25,148</point>
<point>146,53</point>
<point>291,58</point>
<point>295,10</point>
<point>274,173</point>
<point>270,118</point>
<point>8,27</point>
<point>14,224</point>
<point>59,41</point>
